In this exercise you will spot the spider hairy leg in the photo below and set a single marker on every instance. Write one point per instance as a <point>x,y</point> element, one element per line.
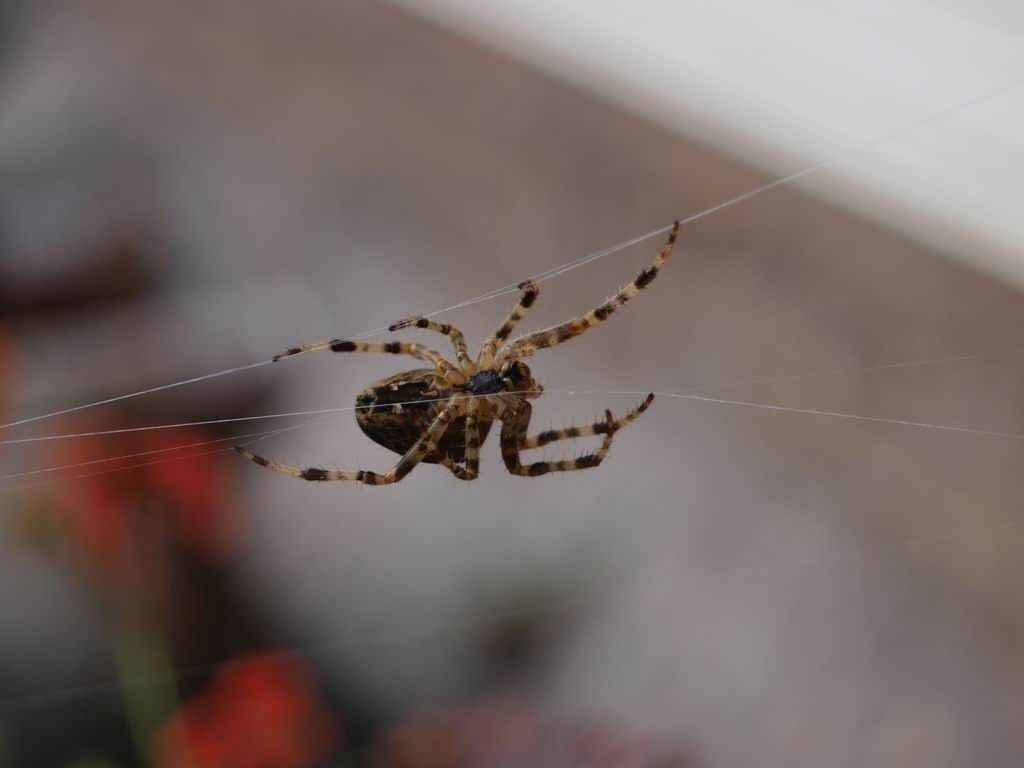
<point>453,333</point>
<point>422,447</point>
<point>530,291</point>
<point>308,473</point>
<point>450,372</point>
<point>516,421</point>
<point>472,438</point>
<point>460,472</point>
<point>471,469</point>
<point>597,428</point>
<point>525,346</point>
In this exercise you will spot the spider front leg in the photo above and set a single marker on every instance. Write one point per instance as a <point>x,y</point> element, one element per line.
<point>597,428</point>
<point>451,374</point>
<point>525,346</point>
<point>427,443</point>
<point>515,423</point>
<point>530,293</point>
<point>453,333</point>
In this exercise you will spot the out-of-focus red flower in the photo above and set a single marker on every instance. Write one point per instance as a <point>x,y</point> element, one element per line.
<point>123,523</point>
<point>200,492</point>
<point>260,711</point>
<point>508,732</point>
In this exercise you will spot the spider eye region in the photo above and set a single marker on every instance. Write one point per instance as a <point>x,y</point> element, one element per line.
<point>485,383</point>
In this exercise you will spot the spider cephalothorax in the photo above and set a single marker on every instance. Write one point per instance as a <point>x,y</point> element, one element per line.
<point>513,376</point>
<point>441,415</point>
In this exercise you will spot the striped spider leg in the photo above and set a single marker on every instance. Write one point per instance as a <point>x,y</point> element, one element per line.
<point>457,337</point>
<point>514,439</point>
<point>470,470</point>
<point>526,345</point>
<point>449,371</point>
<point>597,428</point>
<point>530,293</point>
<point>425,445</point>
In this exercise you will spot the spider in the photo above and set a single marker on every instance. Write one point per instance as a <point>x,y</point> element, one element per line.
<point>441,415</point>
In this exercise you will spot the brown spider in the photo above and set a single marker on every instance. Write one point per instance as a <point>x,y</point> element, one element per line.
<point>441,415</point>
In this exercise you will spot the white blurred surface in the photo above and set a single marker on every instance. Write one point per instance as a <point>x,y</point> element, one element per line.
<point>787,84</point>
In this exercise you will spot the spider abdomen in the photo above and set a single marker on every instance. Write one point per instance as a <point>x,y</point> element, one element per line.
<point>396,411</point>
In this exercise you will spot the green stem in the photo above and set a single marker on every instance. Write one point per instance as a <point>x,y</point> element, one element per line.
<point>148,687</point>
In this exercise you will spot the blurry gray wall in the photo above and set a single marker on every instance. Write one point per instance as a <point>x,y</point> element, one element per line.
<point>776,588</point>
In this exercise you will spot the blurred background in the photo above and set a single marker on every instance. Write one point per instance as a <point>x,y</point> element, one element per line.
<point>190,187</point>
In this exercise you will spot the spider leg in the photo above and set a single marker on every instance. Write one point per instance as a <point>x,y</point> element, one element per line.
<point>525,346</point>
<point>457,337</point>
<point>472,438</point>
<point>530,292</point>
<point>427,443</point>
<point>460,472</point>
<point>515,422</point>
<point>471,469</point>
<point>452,374</point>
<point>597,428</point>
